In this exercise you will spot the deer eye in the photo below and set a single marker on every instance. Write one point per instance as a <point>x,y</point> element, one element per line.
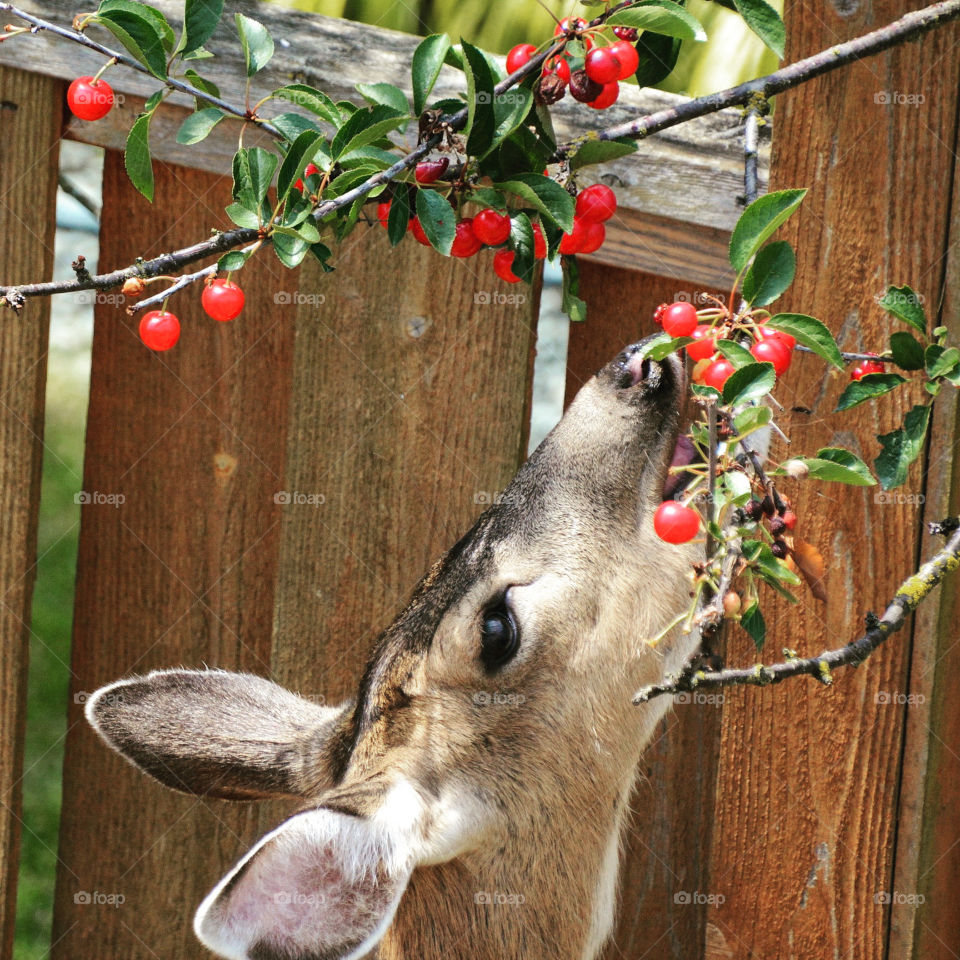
<point>499,637</point>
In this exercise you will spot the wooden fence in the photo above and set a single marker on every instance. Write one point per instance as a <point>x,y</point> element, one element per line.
<point>795,822</point>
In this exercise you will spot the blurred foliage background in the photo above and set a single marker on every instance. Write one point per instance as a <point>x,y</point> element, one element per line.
<point>730,55</point>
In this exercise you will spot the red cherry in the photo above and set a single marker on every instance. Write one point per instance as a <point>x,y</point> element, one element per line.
<point>89,99</point>
<point>602,65</point>
<point>465,243</point>
<point>593,236</point>
<point>503,266</point>
<point>864,367</point>
<point>764,334</point>
<point>519,55</point>
<point>789,519</point>
<point>775,352</point>
<point>626,33</point>
<point>595,203</point>
<point>429,171</point>
<point>416,228</point>
<point>705,342</point>
<point>717,374</point>
<point>559,66</point>
<point>680,319</point>
<point>159,329</point>
<point>608,96</point>
<point>572,25</point>
<point>309,171</point>
<point>659,312</point>
<point>572,242</point>
<point>629,59</point>
<point>222,299</point>
<point>383,212</point>
<point>539,243</point>
<point>675,523</point>
<point>491,228</point>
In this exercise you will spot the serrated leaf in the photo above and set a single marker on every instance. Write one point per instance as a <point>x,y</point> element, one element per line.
<point>570,302</point>
<point>295,162</point>
<point>752,621</point>
<point>253,169</point>
<point>198,125</point>
<point>256,42</point>
<point>770,274</point>
<point>544,194</point>
<point>136,156</point>
<point>601,151</point>
<point>202,84</point>
<point>736,353</point>
<point>522,243</point>
<point>868,388</point>
<point>243,217</point>
<point>837,465</point>
<point>139,35</point>
<point>758,222</point>
<point>811,333</point>
<point>312,99</point>
<point>322,253</point>
<point>660,16</point>
<point>232,260</point>
<point>364,127</point>
<point>200,19</point>
<point>155,16</point>
<point>398,221</point>
<point>939,361</point>
<point>906,350</point>
<point>428,58</point>
<point>488,197</point>
<point>702,390</point>
<point>750,419</point>
<point>291,125</point>
<point>765,22</point>
<point>385,93</point>
<point>904,304</point>
<point>663,345</point>
<point>658,57</point>
<point>290,248</point>
<point>901,447</point>
<point>750,382</point>
<point>481,122</point>
<point>438,220</point>
<point>510,109</point>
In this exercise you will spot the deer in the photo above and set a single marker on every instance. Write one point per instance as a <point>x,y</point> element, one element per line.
<point>468,802</point>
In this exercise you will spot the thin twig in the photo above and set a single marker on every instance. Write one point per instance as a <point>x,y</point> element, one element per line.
<point>72,190</point>
<point>911,593</point>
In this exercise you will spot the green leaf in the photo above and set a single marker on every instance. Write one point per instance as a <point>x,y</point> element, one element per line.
<point>660,16</point>
<point>904,304</point>
<point>544,194</point>
<point>749,383</point>
<point>316,101</point>
<point>901,447</point>
<point>306,231</point>
<point>663,345</point>
<point>758,222</point>
<point>750,419</point>
<point>658,57</point>
<point>427,60</point>
<point>939,361</point>
<point>772,569</point>
<point>601,151</point>
<point>438,220</point>
<point>152,14</point>
<point>836,465</point>
<point>291,125</point>
<point>290,248</point>
<point>811,333</point>
<point>364,127</point>
<point>202,84</point>
<point>398,222</point>
<point>322,253</point>
<point>765,22</point>
<point>488,197</point>
<point>871,386</point>
<point>243,217</point>
<point>737,354</point>
<point>770,274</point>
<point>253,169</point>
<point>197,125</point>
<point>385,93</point>
<point>570,302</point>
<point>481,121</point>
<point>200,19</point>
<point>139,34</point>
<point>521,241</point>
<point>136,156</point>
<point>296,160</point>
<point>232,260</point>
<point>510,109</point>
<point>752,621</point>
<point>906,350</point>
<point>256,42</point>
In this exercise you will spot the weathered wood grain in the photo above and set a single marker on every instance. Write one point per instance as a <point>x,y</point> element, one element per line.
<point>668,839</point>
<point>806,813</point>
<point>29,130</point>
<point>689,174</point>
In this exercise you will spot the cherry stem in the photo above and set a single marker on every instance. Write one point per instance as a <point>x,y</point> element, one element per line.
<point>96,77</point>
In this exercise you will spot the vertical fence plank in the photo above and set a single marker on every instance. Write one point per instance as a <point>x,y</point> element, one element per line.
<point>807,792</point>
<point>30,117</point>
<point>668,840</point>
<point>179,571</point>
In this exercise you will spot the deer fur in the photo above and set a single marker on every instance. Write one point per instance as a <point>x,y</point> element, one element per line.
<point>459,808</point>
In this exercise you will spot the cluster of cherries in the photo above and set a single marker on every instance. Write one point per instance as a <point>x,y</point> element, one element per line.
<point>595,205</point>
<point>89,98</point>
<point>593,79</point>
<point>222,300</point>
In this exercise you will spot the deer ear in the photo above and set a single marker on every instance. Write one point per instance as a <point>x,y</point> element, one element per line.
<point>229,735</point>
<point>324,885</point>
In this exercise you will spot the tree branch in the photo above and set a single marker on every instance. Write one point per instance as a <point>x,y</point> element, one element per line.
<point>912,592</point>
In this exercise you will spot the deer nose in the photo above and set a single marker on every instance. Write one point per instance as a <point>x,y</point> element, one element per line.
<point>634,367</point>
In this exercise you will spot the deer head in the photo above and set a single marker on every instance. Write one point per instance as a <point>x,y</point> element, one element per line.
<point>468,802</point>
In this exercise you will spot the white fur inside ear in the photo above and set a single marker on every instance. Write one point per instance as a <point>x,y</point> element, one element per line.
<point>322,886</point>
